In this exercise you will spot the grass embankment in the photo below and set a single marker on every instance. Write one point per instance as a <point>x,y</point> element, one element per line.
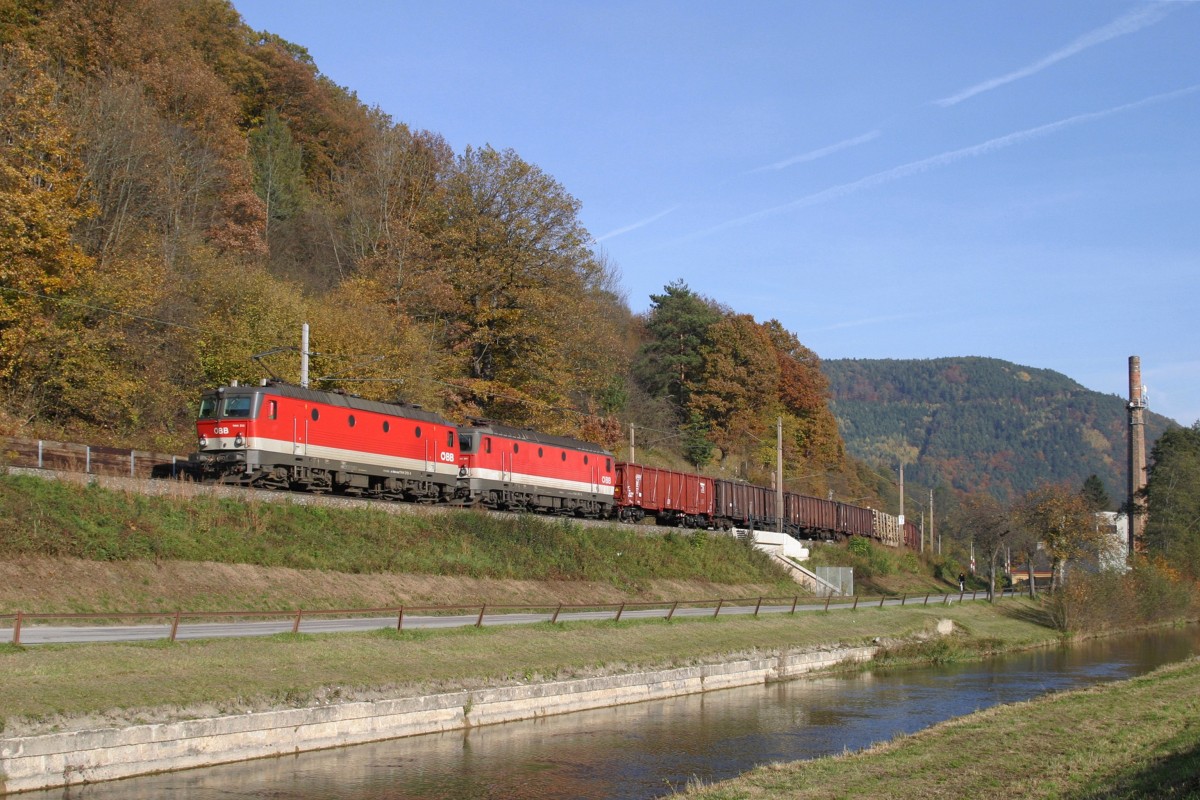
<point>142,536</point>
<point>51,686</point>
<point>1132,739</point>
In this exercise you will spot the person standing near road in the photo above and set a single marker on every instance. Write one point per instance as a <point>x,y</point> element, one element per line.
<point>962,582</point>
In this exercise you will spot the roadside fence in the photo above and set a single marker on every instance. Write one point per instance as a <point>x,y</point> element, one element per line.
<point>462,615</point>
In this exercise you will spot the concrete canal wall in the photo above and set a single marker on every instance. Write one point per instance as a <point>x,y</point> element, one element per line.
<point>63,759</point>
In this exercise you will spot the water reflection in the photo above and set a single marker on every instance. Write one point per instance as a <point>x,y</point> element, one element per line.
<point>647,750</point>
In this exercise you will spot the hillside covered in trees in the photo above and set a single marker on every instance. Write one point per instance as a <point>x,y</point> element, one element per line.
<point>982,423</point>
<point>179,192</point>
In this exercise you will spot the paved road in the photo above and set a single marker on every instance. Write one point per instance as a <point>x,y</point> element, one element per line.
<point>33,632</point>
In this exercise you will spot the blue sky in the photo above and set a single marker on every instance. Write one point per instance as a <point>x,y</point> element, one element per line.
<point>1018,180</point>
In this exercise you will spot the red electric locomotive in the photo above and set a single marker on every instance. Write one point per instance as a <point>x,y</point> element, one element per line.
<point>518,469</point>
<point>281,436</point>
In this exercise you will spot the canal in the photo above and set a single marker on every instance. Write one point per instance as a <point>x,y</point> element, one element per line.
<point>649,749</point>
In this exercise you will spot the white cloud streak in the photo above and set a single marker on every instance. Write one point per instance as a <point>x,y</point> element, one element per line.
<point>870,321</point>
<point>636,225</point>
<point>952,156</point>
<point>820,153</point>
<point>1122,26</point>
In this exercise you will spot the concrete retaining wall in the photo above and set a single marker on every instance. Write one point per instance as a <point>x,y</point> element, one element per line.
<point>62,759</point>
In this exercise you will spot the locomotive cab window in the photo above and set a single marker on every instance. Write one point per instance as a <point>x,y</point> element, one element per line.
<point>315,414</point>
<point>418,432</point>
<point>450,439</point>
<point>208,407</point>
<point>487,444</point>
<point>465,443</point>
<point>272,409</point>
<point>386,426</point>
<point>237,406</point>
<point>608,465</point>
<point>350,420</point>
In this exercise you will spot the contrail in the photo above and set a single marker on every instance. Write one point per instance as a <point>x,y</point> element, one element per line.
<point>950,157</point>
<point>821,153</point>
<point>636,225</point>
<point>1122,26</point>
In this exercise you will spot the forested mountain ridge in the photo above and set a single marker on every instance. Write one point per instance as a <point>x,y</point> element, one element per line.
<point>982,423</point>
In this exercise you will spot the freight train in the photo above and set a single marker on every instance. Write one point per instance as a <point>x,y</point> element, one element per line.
<point>280,436</point>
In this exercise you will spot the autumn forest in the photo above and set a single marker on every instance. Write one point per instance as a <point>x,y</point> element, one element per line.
<point>179,193</point>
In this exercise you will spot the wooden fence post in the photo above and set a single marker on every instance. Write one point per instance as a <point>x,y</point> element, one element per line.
<point>827,597</point>
<point>719,604</point>
<point>479,622</point>
<point>557,611</point>
<point>795,599</point>
<point>296,623</point>
<point>855,603</point>
<point>620,611</point>
<point>671,613</point>
<point>400,619</point>
<point>17,625</point>
<point>175,625</point>
<point>757,607</point>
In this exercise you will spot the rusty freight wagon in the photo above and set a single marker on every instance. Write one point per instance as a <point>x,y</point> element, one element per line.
<point>672,498</point>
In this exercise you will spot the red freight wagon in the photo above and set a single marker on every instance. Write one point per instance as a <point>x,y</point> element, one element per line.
<point>744,505</point>
<point>912,535</point>
<point>518,469</point>
<point>672,498</point>
<point>281,436</point>
<point>813,516</point>
<point>855,521</point>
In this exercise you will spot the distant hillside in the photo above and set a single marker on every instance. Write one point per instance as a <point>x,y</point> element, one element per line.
<point>982,423</point>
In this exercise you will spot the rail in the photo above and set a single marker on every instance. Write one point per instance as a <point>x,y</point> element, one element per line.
<point>461,615</point>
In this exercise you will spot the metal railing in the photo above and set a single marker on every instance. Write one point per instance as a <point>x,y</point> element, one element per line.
<point>479,613</point>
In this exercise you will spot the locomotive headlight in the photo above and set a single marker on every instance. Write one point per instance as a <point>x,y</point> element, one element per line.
<point>239,441</point>
<point>203,441</point>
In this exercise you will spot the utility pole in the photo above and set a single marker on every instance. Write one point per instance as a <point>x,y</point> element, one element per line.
<point>931,523</point>
<point>901,494</point>
<point>304,356</point>
<point>779,471</point>
<point>632,445</point>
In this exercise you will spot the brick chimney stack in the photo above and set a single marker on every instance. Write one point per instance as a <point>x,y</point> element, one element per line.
<point>1137,453</point>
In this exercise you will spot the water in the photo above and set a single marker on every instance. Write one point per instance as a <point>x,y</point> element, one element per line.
<point>649,749</point>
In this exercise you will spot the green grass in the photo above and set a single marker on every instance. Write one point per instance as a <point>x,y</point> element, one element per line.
<point>46,681</point>
<point>1131,739</point>
<point>59,519</point>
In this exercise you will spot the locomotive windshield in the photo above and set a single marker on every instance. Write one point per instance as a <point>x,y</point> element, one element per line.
<point>237,406</point>
<point>465,443</point>
<point>208,407</point>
